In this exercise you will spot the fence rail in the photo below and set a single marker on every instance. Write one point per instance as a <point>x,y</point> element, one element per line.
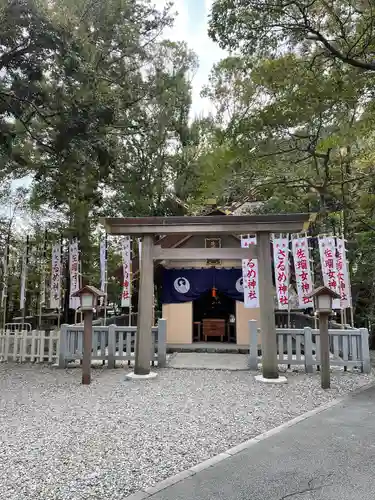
<point>348,348</point>
<point>110,344</point>
<point>14,327</point>
<point>25,345</point>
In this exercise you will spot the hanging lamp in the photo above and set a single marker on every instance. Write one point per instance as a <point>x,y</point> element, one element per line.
<point>214,289</point>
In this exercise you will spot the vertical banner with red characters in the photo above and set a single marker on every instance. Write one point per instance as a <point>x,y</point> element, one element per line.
<point>103,263</point>
<point>343,275</point>
<point>327,250</point>
<point>302,267</point>
<point>74,302</point>
<point>126,263</point>
<point>248,240</point>
<point>282,270</point>
<point>23,282</point>
<point>55,289</point>
<point>250,276</point>
<point>103,268</point>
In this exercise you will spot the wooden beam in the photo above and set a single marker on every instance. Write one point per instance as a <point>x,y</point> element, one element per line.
<point>204,253</point>
<point>217,224</point>
<point>119,229</point>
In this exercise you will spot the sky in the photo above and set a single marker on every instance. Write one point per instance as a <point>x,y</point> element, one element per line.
<point>191,26</point>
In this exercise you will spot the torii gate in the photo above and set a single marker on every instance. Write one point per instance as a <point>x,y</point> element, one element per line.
<point>261,225</point>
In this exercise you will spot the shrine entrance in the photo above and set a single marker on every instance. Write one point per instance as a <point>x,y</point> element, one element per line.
<point>261,225</point>
<point>214,318</point>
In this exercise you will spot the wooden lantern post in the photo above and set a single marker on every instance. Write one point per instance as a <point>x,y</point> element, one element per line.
<point>323,298</point>
<point>88,296</point>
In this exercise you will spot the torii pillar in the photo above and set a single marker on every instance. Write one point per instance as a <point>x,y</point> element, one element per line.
<point>267,308</point>
<point>143,339</point>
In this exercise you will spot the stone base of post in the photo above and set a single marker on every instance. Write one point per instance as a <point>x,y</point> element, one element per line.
<point>278,380</point>
<point>135,376</point>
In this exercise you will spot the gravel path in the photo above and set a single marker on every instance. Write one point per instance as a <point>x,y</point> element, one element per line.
<point>61,440</point>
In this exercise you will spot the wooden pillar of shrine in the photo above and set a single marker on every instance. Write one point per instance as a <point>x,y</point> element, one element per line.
<point>267,309</point>
<point>143,341</point>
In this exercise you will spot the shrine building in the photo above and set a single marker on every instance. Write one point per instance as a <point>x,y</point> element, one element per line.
<point>197,263</point>
<point>203,301</point>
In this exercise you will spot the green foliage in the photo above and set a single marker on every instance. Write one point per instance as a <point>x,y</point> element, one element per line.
<point>296,116</point>
<point>329,29</point>
<point>94,108</point>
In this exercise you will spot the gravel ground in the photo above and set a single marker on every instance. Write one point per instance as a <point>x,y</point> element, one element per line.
<point>65,441</point>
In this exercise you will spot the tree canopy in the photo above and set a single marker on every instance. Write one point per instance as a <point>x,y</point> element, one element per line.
<point>329,29</point>
<point>95,108</point>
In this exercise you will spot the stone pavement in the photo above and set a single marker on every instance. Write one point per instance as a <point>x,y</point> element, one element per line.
<point>328,456</point>
<point>208,361</point>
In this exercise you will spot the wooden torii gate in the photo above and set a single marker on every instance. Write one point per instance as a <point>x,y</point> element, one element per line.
<point>261,225</point>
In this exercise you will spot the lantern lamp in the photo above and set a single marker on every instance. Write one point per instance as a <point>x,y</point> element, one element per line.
<point>88,296</point>
<point>323,299</point>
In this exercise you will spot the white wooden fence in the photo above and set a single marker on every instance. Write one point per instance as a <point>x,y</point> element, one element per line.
<point>111,343</point>
<point>29,345</point>
<point>14,327</point>
<point>349,348</point>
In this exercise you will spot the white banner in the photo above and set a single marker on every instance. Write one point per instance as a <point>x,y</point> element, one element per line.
<point>55,291</point>
<point>282,271</point>
<point>327,250</point>
<point>42,295</point>
<point>126,263</point>
<point>302,267</point>
<point>248,240</point>
<point>43,289</point>
<point>343,275</point>
<point>103,268</point>
<point>139,251</point>
<point>74,302</point>
<point>103,263</point>
<point>4,292</point>
<point>23,281</point>
<point>250,283</point>
<point>250,276</point>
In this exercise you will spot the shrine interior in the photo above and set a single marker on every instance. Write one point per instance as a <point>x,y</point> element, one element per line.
<point>214,311</point>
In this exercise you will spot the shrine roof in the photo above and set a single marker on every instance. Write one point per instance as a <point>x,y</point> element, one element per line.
<point>209,224</point>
